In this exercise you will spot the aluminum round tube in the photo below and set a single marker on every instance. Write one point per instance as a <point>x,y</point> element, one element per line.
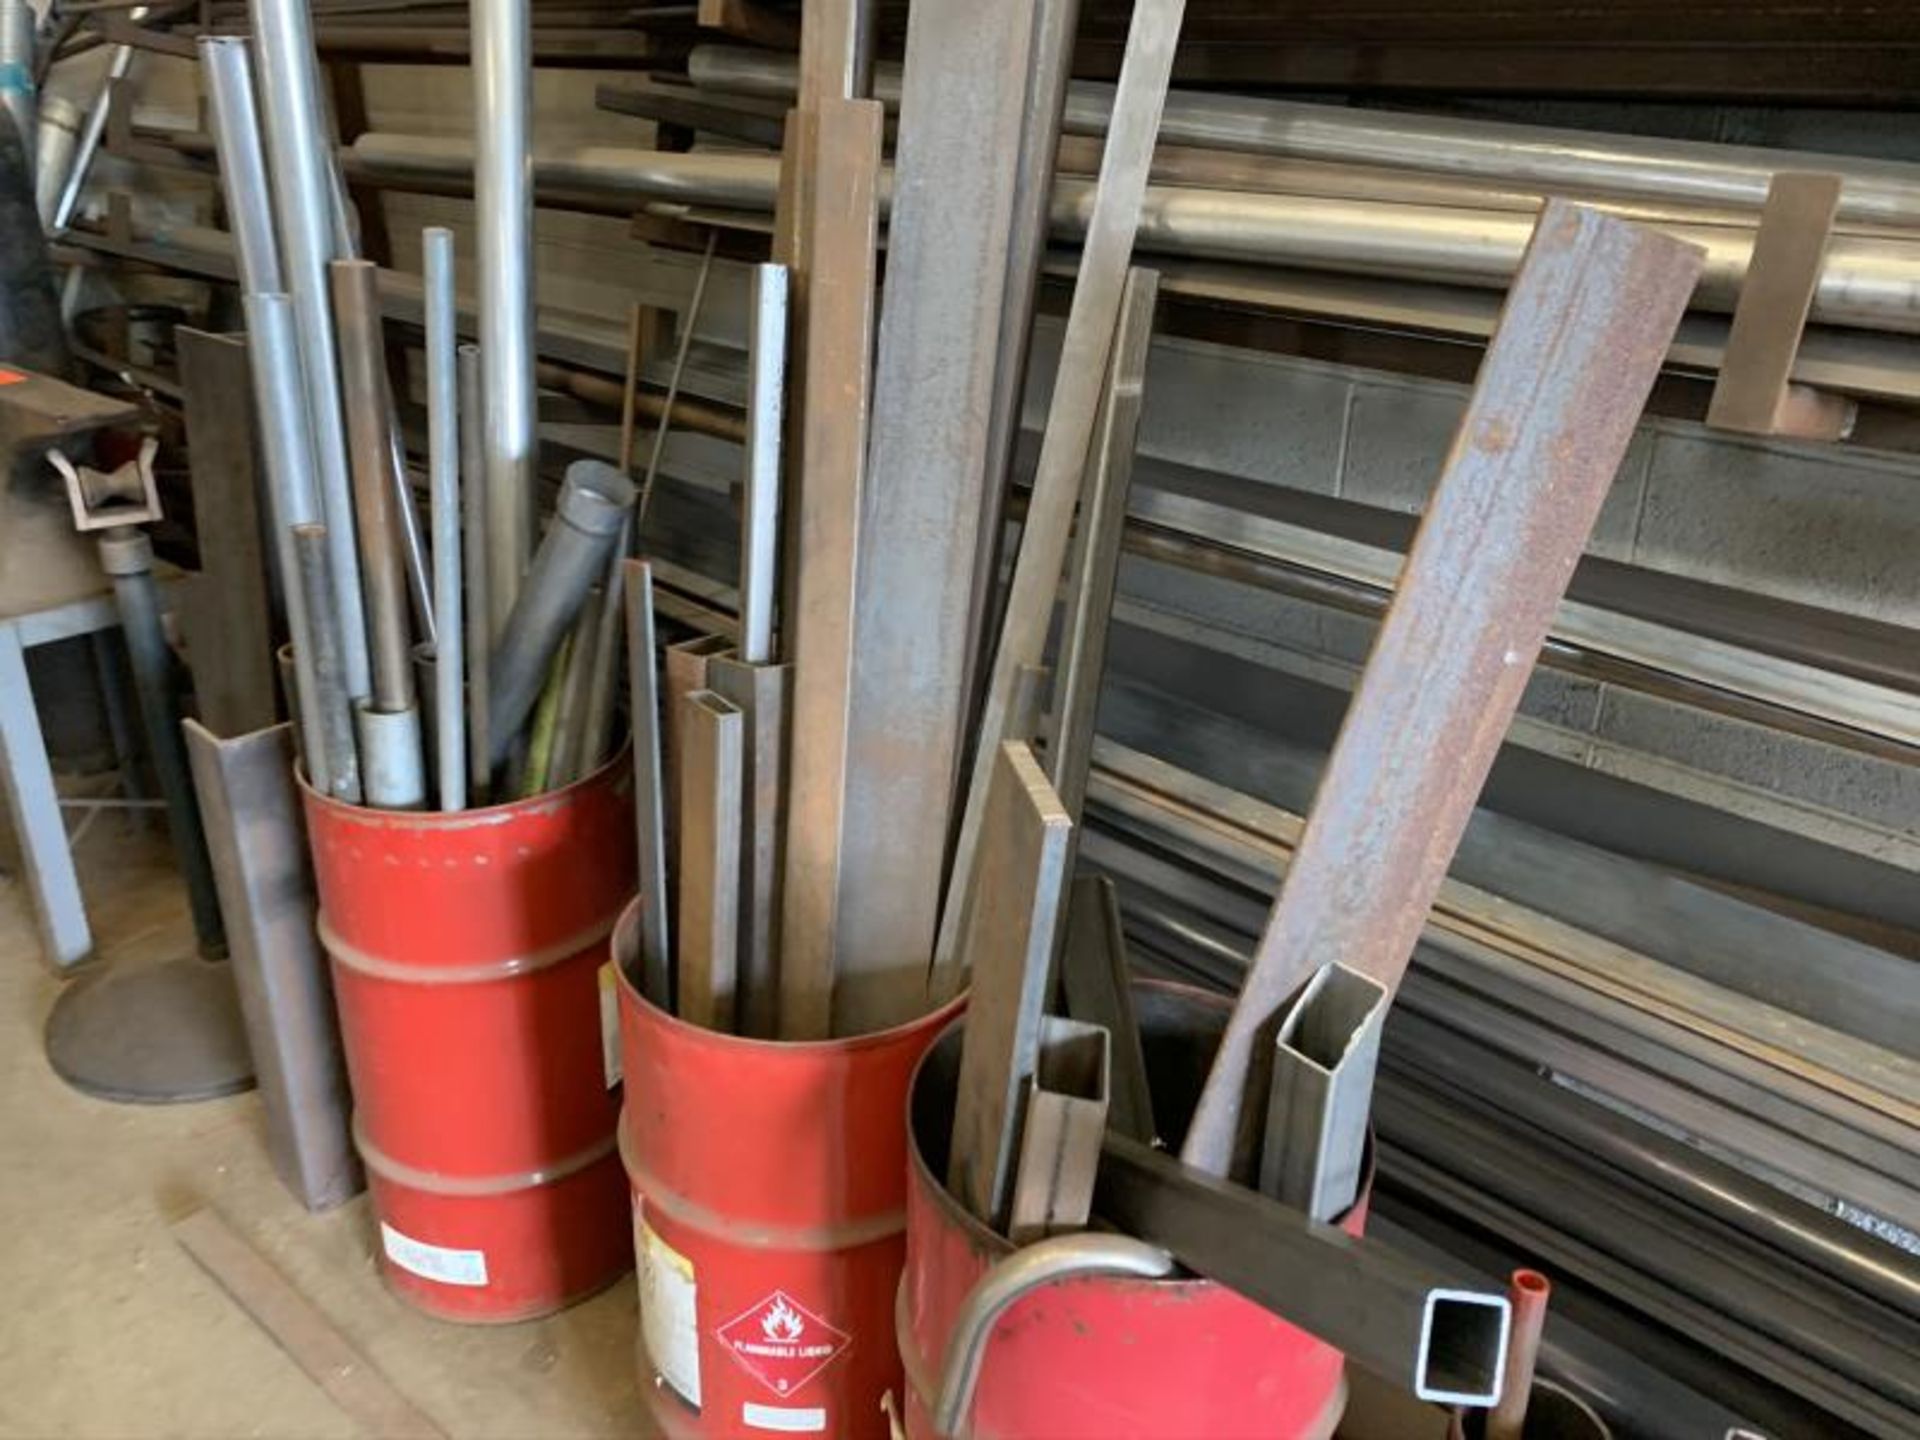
<point>363,391</point>
<point>478,621</point>
<point>503,209</point>
<point>443,467</point>
<point>227,66</point>
<point>594,502</point>
<point>1509,155</point>
<point>127,556</point>
<point>298,151</point>
<point>1869,282</point>
<point>313,562</point>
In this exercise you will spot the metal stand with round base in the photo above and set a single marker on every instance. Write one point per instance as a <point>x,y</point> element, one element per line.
<point>158,1034</point>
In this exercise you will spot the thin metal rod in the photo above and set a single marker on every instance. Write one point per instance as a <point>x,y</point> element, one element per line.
<point>297,149</point>
<point>118,66</point>
<point>503,203</point>
<point>687,324</point>
<point>1527,1292</point>
<point>760,504</point>
<point>477,616</point>
<point>363,387</point>
<point>443,465</point>
<point>595,503</point>
<point>313,569</point>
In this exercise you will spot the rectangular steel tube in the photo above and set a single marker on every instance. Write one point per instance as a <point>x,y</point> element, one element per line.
<point>1325,1055</point>
<point>760,693</point>
<point>1441,1335</point>
<point>1588,319</point>
<point>709,908</point>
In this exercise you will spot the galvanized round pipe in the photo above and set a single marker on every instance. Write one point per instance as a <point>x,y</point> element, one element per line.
<point>443,465</point>
<point>313,565</point>
<point>17,25</point>
<point>477,621</point>
<point>297,154</point>
<point>503,207</point>
<point>363,390</point>
<point>1511,155</point>
<point>1870,282</point>
<point>118,66</point>
<point>54,146</point>
<point>594,502</point>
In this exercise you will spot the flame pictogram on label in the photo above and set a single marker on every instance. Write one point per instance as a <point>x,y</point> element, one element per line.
<point>781,1343</point>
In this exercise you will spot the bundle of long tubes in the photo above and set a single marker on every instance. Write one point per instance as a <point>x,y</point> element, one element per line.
<point>435,662</point>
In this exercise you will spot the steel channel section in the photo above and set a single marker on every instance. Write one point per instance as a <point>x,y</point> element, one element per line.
<point>845,166</point>
<point>324,667</point>
<point>1505,154</point>
<point>1556,402</point>
<point>297,156</point>
<point>1066,1107</point>
<point>503,205</point>
<point>594,503</point>
<point>258,843</point>
<point>1093,568</point>
<point>760,503</point>
<point>443,461</point>
<point>1091,324</point>
<point>708,912</point>
<point>1440,1334</point>
<point>940,315</point>
<point>760,693</point>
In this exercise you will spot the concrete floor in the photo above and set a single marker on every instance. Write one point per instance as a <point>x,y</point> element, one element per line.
<point>109,1330</point>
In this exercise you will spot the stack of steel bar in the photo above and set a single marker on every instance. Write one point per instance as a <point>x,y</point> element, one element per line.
<point>1534,1080</point>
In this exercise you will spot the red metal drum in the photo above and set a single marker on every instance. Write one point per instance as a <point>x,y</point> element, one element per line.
<point>769,1219</point>
<point>468,952</point>
<point>1100,1357</point>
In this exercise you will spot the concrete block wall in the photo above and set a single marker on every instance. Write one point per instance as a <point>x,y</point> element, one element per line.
<point>1832,526</point>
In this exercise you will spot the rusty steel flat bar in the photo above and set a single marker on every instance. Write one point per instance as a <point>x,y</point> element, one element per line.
<point>1096,986</point>
<point>1775,298</point>
<point>819,628</point>
<point>963,98</point>
<point>1022,878</point>
<point>330,1360</point>
<point>1591,312</point>
<point>1066,1116</point>
<point>1092,321</point>
<point>708,911</point>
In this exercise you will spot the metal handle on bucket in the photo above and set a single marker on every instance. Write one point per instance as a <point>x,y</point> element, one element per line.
<point>1028,1269</point>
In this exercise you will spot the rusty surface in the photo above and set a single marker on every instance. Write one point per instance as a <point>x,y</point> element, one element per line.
<point>1591,312</point>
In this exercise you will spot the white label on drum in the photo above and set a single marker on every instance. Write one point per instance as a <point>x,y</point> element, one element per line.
<point>783,1418</point>
<point>434,1262</point>
<point>669,1317</point>
<point>610,1024</point>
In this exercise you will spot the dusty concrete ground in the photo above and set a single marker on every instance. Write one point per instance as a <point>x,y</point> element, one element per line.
<point>108,1330</point>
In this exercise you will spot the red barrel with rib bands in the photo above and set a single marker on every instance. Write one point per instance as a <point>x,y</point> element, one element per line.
<point>769,1220</point>
<point>469,954</point>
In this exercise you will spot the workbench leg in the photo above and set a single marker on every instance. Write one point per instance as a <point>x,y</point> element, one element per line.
<point>34,809</point>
